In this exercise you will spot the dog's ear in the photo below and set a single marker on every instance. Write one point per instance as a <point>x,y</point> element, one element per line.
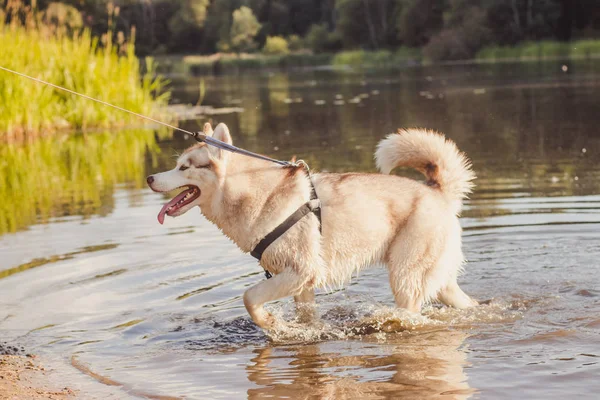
<point>221,133</point>
<point>207,129</point>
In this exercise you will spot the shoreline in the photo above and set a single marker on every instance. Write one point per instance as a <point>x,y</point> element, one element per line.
<point>23,376</point>
<point>27,376</point>
<point>182,66</point>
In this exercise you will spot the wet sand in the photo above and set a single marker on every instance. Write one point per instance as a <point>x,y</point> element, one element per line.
<point>24,377</point>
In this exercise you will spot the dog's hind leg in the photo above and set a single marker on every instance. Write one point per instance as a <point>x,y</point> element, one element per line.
<point>453,296</point>
<point>405,282</point>
<point>408,263</point>
<point>305,305</point>
<point>285,284</point>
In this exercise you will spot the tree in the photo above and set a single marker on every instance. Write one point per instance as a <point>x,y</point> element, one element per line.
<point>516,20</point>
<point>319,39</point>
<point>274,15</point>
<point>366,23</point>
<point>187,25</point>
<point>244,28</point>
<point>419,20</point>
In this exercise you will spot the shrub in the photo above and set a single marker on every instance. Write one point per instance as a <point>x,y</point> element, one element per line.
<point>375,59</point>
<point>276,45</point>
<point>319,39</point>
<point>316,38</point>
<point>461,42</point>
<point>295,43</point>
<point>447,45</point>
<point>353,58</point>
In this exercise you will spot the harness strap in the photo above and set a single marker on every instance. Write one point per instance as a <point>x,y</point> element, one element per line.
<point>316,211</point>
<point>306,208</point>
<point>312,206</point>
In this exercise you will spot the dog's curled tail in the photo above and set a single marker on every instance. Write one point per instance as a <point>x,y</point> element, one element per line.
<point>438,158</point>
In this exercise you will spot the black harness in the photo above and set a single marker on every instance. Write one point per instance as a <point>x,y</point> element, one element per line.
<point>311,206</point>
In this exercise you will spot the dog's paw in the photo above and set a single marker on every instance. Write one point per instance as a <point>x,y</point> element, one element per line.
<point>267,322</point>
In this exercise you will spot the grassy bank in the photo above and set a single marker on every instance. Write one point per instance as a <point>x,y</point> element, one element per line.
<point>233,63</point>
<point>543,50</point>
<point>230,63</point>
<point>76,61</point>
<point>175,65</point>
<point>75,175</point>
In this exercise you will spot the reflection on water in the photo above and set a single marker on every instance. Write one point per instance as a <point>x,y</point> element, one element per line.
<point>401,366</point>
<point>70,175</point>
<point>157,310</point>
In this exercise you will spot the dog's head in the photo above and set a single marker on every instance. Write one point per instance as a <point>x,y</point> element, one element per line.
<point>198,171</point>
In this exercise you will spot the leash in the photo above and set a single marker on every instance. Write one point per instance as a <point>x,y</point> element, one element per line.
<point>199,136</point>
<point>312,206</point>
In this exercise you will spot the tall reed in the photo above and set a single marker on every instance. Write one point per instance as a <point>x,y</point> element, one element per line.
<point>73,59</point>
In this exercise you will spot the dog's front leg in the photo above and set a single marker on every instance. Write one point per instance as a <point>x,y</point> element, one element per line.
<point>305,305</point>
<point>285,284</point>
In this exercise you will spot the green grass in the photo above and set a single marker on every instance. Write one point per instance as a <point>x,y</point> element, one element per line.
<point>110,72</point>
<point>376,59</point>
<point>69,174</point>
<point>232,63</point>
<point>541,50</point>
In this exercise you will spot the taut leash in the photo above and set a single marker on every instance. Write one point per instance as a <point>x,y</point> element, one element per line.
<point>199,136</point>
<point>312,206</point>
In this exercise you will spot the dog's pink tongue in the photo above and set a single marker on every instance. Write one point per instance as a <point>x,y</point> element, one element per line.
<point>163,210</point>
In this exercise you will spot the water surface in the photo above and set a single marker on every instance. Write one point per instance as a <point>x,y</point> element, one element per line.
<point>89,279</point>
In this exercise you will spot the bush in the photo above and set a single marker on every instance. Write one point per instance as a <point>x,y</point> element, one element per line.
<point>404,54</point>
<point>295,43</point>
<point>316,38</point>
<point>353,58</point>
<point>446,45</point>
<point>276,45</point>
<point>319,39</point>
<point>376,59</point>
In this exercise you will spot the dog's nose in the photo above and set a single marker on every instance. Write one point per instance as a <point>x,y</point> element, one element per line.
<point>150,179</point>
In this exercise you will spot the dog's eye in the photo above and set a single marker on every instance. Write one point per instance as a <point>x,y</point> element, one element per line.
<point>183,168</point>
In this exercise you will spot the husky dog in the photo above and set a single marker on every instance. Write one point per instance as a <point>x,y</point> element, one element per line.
<point>411,227</point>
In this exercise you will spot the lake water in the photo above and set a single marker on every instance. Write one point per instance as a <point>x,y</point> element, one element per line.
<point>89,279</point>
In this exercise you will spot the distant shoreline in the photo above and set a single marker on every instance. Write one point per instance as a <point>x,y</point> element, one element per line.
<point>185,65</point>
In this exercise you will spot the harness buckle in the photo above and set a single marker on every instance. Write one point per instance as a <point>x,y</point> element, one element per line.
<point>314,204</point>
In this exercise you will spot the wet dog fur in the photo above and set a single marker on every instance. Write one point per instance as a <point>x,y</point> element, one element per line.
<point>409,226</point>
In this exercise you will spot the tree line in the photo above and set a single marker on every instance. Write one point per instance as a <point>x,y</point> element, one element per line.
<point>444,29</point>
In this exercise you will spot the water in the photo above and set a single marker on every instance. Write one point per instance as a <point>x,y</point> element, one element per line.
<point>89,279</point>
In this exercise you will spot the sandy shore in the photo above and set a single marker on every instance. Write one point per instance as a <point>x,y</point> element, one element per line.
<point>24,377</point>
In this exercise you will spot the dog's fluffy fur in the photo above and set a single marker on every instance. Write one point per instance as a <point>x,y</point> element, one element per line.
<point>411,227</point>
